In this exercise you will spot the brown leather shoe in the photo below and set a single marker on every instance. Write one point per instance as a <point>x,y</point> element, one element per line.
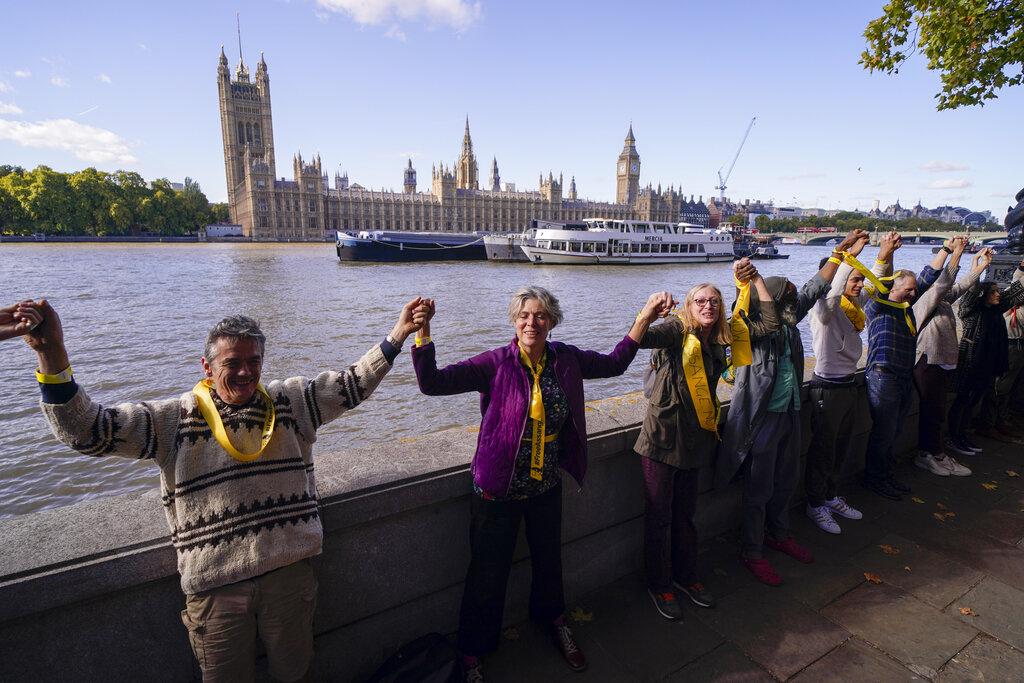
<point>566,644</point>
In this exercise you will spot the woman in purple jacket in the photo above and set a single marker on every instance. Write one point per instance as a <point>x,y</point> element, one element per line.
<point>531,398</point>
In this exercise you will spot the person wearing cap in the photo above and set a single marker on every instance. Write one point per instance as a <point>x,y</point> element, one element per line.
<point>237,478</point>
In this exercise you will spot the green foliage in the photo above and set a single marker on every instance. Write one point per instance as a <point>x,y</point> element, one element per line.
<point>845,221</point>
<point>92,202</point>
<point>977,46</point>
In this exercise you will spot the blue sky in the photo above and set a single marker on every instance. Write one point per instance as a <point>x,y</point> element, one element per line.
<point>548,86</point>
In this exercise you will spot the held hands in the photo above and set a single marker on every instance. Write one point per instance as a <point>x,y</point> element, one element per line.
<point>858,246</point>
<point>412,318</point>
<point>851,240</point>
<point>744,270</point>
<point>957,244</point>
<point>984,257</point>
<point>658,305</point>
<point>890,242</point>
<point>19,319</point>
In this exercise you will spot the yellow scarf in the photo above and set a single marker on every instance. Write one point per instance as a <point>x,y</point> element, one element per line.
<point>536,411</point>
<point>212,417</point>
<point>741,353</point>
<point>853,311</point>
<point>881,288</point>
<point>704,402</point>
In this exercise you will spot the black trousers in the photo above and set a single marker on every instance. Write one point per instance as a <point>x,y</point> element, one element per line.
<point>494,527</point>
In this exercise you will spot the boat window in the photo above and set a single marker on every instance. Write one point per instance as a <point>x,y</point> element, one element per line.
<point>574,246</point>
<point>674,248</point>
<point>601,247</point>
<point>700,248</point>
<point>543,244</point>
<point>640,227</point>
<point>588,247</point>
<point>645,248</point>
<point>660,229</point>
<point>634,248</point>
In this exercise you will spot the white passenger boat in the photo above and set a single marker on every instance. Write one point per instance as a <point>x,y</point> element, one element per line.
<point>635,243</point>
<point>507,246</point>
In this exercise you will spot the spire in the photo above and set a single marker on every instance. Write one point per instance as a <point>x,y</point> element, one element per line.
<point>241,73</point>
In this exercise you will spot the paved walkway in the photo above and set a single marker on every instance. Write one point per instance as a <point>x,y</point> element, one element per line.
<point>929,588</point>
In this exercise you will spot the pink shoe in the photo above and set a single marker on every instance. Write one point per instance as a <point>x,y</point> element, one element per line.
<point>762,570</point>
<point>790,547</point>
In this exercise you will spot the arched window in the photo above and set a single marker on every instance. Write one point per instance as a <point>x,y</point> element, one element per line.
<point>241,133</point>
<point>248,133</point>
<point>256,134</point>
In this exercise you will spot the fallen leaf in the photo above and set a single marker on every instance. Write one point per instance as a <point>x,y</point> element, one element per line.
<point>720,572</point>
<point>941,506</point>
<point>906,569</point>
<point>968,611</point>
<point>951,514</point>
<point>916,499</point>
<point>872,578</point>
<point>939,516</point>
<point>510,634</point>
<point>1011,473</point>
<point>990,487</point>
<point>889,550</point>
<point>579,616</point>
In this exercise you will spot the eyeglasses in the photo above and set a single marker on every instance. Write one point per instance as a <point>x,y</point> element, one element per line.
<point>714,302</point>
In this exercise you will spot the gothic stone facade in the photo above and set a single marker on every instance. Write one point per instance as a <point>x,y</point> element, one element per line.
<point>275,209</point>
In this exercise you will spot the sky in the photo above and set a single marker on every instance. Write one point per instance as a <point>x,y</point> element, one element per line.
<point>547,86</point>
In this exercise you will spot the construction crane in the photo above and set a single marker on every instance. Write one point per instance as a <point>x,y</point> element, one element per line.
<point>721,182</point>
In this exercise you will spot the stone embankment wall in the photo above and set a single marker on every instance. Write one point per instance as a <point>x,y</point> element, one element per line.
<point>90,591</point>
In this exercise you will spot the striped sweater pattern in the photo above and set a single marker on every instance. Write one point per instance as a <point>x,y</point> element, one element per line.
<point>229,520</point>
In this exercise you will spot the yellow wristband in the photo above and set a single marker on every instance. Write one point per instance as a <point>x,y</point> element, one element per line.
<point>833,259</point>
<point>881,263</point>
<point>62,377</point>
<point>422,341</point>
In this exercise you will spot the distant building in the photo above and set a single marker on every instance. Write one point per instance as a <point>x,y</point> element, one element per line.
<point>306,207</point>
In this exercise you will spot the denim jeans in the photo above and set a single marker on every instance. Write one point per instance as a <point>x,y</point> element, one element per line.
<point>889,398</point>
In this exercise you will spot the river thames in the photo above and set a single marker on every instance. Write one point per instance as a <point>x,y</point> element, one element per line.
<point>136,316</point>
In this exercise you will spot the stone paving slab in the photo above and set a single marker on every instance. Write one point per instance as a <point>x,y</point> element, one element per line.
<point>901,625</point>
<point>626,626</point>
<point>853,662</point>
<point>984,659</point>
<point>779,633</point>
<point>928,576</point>
<point>726,664</point>
<point>998,610</point>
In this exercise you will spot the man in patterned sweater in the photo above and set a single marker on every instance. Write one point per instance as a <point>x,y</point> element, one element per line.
<point>237,478</point>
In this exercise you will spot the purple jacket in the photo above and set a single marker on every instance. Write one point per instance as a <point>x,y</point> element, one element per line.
<point>504,387</point>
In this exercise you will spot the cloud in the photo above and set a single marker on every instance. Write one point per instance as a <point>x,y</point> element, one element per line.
<point>803,176</point>
<point>396,33</point>
<point>88,143</point>
<point>9,108</point>
<point>948,184</point>
<point>104,78</point>
<point>459,14</point>
<point>939,166</point>
<point>59,81</point>
<point>4,87</point>
<point>143,46</point>
<point>22,73</point>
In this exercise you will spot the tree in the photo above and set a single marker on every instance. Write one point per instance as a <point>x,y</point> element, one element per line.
<point>977,46</point>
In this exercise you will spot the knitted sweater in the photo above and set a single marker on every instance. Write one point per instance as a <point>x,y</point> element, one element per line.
<point>837,343</point>
<point>229,520</point>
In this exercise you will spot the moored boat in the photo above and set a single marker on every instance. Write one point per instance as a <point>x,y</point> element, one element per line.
<point>507,246</point>
<point>395,246</point>
<point>622,242</point>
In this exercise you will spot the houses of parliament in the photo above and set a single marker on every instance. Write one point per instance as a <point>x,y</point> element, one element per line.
<point>303,209</point>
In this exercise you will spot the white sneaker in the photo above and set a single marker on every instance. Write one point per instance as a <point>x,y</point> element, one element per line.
<point>839,506</point>
<point>822,516</point>
<point>927,462</point>
<point>955,468</point>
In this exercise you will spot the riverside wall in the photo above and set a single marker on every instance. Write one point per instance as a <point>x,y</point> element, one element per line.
<point>91,592</point>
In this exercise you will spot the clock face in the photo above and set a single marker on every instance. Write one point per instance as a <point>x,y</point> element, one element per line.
<point>622,168</point>
<point>633,168</point>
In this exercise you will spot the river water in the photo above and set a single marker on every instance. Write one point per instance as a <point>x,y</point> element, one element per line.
<point>136,316</point>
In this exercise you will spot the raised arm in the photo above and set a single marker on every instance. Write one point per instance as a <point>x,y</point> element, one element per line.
<point>658,305</point>
<point>473,374</point>
<point>851,241</point>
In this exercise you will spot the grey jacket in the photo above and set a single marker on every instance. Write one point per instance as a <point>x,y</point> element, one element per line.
<point>936,334</point>
<point>755,382</point>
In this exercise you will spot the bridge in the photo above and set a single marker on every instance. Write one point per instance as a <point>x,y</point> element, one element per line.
<point>824,238</point>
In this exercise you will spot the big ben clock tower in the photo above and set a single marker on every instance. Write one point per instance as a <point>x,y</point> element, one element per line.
<point>628,172</point>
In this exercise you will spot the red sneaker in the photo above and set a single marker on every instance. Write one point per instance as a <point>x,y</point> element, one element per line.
<point>790,547</point>
<point>762,570</point>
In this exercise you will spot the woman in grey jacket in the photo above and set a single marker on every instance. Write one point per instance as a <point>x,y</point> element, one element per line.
<point>679,436</point>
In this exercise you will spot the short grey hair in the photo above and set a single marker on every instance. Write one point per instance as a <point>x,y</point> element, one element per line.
<point>903,274</point>
<point>234,327</point>
<point>546,299</point>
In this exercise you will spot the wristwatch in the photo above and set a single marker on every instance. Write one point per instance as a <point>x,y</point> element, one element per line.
<point>394,342</point>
